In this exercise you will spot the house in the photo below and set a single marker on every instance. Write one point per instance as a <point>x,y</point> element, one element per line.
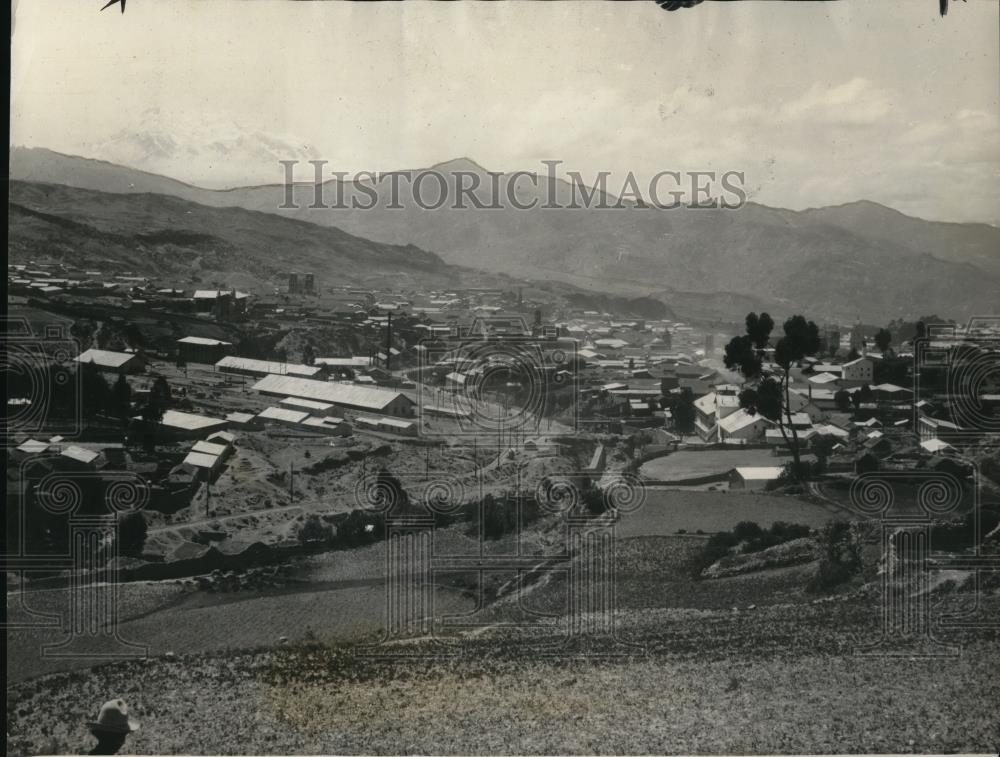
<point>222,451</point>
<point>327,424</point>
<point>183,425</point>
<point>741,427</point>
<point>196,349</point>
<point>113,362</point>
<point>206,466</point>
<point>891,393</point>
<point>346,396</point>
<point>753,478</point>
<point>824,379</point>
<point>932,428</point>
<point>79,458</point>
<point>388,425</point>
<point>937,447</point>
<point>220,302</point>
<point>866,462</point>
<point>282,415</point>
<point>859,371</point>
<point>241,420</point>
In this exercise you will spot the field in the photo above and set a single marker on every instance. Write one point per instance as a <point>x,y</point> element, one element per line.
<point>700,683</point>
<point>686,464</point>
<point>745,664</point>
<point>667,511</point>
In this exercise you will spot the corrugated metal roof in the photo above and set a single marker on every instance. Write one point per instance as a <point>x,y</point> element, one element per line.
<point>201,460</point>
<point>202,340</point>
<point>208,448</point>
<point>266,366</point>
<point>352,395</point>
<point>107,358</point>
<point>189,421</point>
<point>80,454</point>
<point>282,414</point>
<point>311,404</point>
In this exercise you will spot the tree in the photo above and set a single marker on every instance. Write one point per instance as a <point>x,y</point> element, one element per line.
<point>883,340</point>
<point>121,398</point>
<point>745,353</point>
<point>315,531</point>
<point>132,532</point>
<point>853,354</point>
<point>684,412</point>
<point>160,393</point>
<point>95,394</point>
<point>308,355</point>
<point>772,393</point>
<point>843,400</point>
<point>133,335</point>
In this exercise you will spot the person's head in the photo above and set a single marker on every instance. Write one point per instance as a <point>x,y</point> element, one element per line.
<point>112,726</point>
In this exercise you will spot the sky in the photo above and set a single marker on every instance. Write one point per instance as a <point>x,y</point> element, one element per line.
<point>817,103</point>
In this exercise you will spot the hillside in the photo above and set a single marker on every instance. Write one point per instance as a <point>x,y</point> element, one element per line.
<point>865,261</point>
<point>173,239</point>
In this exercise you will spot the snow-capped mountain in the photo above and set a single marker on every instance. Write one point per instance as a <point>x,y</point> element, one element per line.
<point>207,151</point>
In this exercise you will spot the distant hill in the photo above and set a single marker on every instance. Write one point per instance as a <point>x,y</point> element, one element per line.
<point>861,260</point>
<point>173,239</point>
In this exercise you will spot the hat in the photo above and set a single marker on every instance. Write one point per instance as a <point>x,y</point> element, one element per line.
<point>114,719</point>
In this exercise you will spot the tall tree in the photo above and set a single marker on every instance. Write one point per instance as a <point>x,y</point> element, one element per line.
<point>770,392</point>
<point>684,411</point>
<point>121,398</point>
<point>883,340</point>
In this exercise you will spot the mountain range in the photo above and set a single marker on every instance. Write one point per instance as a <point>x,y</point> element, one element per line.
<point>861,260</point>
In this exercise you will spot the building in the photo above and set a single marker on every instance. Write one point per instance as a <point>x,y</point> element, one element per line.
<point>858,371</point>
<point>740,427</point>
<point>387,425</point>
<point>196,349</point>
<point>753,478</point>
<point>345,396</point>
<point>219,302</point>
<point>309,283</point>
<point>294,283</point>
<point>113,362</point>
<point>250,367</point>
<point>189,425</point>
<point>310,406</point>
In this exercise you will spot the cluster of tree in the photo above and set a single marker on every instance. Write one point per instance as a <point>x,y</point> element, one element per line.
<point>748,537</point>
<point>684,412</point>
<point>151,413</point>
<point>767,391</point>
<point>132,532</point>
<point>359,528</point>
<point>840,559</point>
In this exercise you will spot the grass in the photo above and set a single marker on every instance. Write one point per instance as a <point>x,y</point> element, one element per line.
<point>666,511</point>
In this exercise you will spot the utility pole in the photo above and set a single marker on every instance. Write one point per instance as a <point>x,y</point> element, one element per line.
<point>291,482</point>
<point>208,497</point>
<point>388,342</point>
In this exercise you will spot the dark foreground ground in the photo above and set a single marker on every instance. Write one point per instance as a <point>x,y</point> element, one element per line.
<point>746,664</point>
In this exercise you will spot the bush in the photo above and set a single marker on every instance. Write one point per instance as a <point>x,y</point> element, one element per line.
<point>751,536</point>
<point>132,534</point>
<point>841,557</point>
<point>315,531</point>
<point>747,530</point>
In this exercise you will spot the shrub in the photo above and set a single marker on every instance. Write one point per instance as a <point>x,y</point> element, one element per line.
<point>841,557</point>
<point>132,534</point>
<point>315,531</point>
<point>747,530</point>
